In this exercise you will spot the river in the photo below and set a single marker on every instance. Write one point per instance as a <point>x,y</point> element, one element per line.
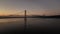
<point>34,24</point>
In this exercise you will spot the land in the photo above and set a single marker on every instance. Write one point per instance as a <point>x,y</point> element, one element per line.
<point>32,16</point>
<point>54,16</point>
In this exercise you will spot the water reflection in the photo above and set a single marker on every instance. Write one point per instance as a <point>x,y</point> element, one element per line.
<point>32,23</point>
<point>10,20</point>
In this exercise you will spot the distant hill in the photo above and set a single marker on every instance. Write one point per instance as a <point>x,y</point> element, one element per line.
<point>33,16</point>
<point>38,16</point>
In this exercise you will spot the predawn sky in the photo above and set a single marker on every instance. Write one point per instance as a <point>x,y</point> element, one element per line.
<point>33,7</point>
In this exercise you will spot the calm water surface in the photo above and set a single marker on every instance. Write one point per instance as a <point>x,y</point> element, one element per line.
<point>32,23</point>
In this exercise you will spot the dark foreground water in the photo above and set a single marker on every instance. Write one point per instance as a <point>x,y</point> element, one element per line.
<point>34,25</point>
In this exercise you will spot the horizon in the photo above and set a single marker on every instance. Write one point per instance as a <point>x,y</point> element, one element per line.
<point>30,15</point>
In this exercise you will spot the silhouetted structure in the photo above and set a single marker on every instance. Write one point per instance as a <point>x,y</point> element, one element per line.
<point>25,24</point>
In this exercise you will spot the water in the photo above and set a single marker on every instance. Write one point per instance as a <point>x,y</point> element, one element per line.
<point>32,24</point>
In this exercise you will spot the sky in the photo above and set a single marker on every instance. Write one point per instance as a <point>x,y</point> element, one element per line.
<point>33,7</point>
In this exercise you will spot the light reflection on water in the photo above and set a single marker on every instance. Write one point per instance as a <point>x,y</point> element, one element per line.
<point>11,23</point>
<point>10,20</point>
<point>18,23</point>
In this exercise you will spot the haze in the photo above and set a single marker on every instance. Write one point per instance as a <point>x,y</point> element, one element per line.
<point>33,7</point>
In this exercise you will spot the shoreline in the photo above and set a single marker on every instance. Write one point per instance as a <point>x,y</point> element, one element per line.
<point>28,17</point>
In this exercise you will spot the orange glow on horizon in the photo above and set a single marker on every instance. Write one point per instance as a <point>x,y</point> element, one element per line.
<point>29,12</point>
